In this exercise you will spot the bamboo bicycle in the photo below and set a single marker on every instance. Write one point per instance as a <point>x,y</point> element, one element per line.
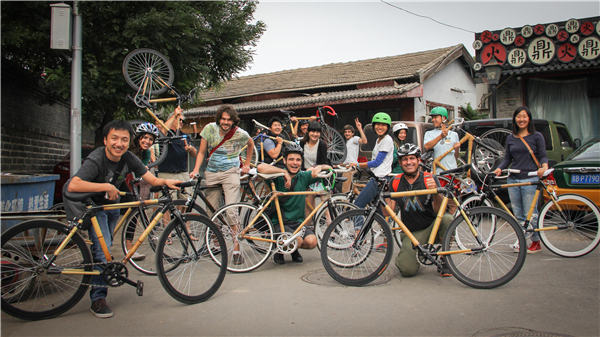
<point>484,258</point>
<point>568,224</point>
<point>150,73</point>
<point>47,266</point>
<point>483,153</point>
<point>250,227</point>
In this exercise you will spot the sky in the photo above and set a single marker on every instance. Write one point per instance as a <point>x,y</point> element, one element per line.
<point>313,33</point>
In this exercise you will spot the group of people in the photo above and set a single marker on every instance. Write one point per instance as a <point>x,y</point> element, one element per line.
<point>223,140</point>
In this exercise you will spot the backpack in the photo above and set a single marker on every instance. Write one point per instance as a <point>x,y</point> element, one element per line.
<point>427,177</point>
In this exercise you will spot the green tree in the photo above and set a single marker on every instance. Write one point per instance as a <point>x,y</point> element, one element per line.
<point>206,41</point>
<point>470,114</point>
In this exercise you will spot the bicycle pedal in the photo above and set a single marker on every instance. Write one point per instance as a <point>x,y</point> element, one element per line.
<point>139,288</point>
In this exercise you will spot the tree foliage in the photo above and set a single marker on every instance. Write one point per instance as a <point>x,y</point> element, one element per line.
<point>206,41</point>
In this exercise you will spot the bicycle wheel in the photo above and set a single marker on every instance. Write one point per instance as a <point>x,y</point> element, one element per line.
<point>487,154</point>
<point>144,63</point>
<point>577,219</point>
<point>29,291</point>
<point>253,159</point>
<point>336,144</point>
<point>493,261</point>
<point>161,149</point>
<point>185,268</point>
<point>477,201</point>
<point>327,214</point>
<point>134,227</point>
<point>497,134</point>
<point>231,220</point>
<point>356,262</point>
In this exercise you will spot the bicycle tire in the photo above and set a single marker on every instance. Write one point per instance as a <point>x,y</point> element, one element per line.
<point>323,218</point>
<point>582,218</point>
<point>253,159</point>
<point>253,253</point>
<point>356,264</point>
<point>497,263</point>
<point>161,150</point>
<point>148,246</point>
<point>497,134</point>
<point>37,293</point>
<point>138,61</point>
<point>336,144</point>
<point>476,201</point>
<point>487,155</point>
<point>185,269</point>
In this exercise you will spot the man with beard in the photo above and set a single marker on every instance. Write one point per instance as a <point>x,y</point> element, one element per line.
<point>103,171</point>
<point>418,213</point>
<point>293,206</point>
<point>224,142</point>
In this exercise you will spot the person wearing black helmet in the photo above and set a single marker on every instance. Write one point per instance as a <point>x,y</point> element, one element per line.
<point>418,213</point>
<point>294,179</point>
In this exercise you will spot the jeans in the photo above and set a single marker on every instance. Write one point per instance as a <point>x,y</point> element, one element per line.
<point>107,221</point>
<point>367,195</point>
<point>520,201</point>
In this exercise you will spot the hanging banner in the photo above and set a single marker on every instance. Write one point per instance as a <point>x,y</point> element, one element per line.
<point>572,42</point>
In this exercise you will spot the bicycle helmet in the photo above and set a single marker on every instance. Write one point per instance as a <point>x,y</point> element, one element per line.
<point>147,128</point>
<point>399,126</point>
<point>383,118</point>
<point>409,149</point>
<point>292,148</point>
<point>314,126</point>
<point>439,111</point>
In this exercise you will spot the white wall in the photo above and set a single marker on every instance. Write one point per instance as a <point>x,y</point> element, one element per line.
<point>438,87</point>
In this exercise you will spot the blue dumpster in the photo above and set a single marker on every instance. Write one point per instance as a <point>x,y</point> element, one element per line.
<point>24,193</point>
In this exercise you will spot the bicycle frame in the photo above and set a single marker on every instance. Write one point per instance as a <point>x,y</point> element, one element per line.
<point>165,201</point>
<point>436,225</point>
<point>470,139</point>
<point>534,201</point>
<point>275,198</point>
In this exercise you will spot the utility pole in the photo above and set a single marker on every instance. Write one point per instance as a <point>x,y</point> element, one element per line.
<point>76,92</point>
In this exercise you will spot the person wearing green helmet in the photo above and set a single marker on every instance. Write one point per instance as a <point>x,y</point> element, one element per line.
<point>381,159</point>
<point>441,139</point>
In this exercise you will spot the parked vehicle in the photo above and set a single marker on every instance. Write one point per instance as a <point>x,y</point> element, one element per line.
<point>580,172</point>
<point>559,143</point>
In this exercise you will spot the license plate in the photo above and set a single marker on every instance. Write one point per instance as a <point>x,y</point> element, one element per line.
<point>585,179</point>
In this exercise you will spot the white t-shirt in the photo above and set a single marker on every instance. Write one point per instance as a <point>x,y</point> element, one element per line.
<point>310,154</point>
<point>384,145</point>
<point>352,150</point>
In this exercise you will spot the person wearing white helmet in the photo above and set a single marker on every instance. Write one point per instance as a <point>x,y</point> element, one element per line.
<point>400,131</point>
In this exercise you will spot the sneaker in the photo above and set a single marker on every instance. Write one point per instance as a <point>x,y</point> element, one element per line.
<point>237,258</point>
<point>296,257</point>
<point>100,309</point>
<point>534,247</point>
<point>138,257</point>
<point>515,247</point>
<point>278,258</point>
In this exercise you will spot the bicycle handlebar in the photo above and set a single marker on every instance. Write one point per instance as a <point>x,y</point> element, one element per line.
<point>330,112</point>
<point>325,174</point>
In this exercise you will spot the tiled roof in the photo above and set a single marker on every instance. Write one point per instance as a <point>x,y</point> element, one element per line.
<point>296,102</point>
<point>414,65</point>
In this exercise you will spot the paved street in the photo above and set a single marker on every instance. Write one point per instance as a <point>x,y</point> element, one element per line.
<point>550,296</point>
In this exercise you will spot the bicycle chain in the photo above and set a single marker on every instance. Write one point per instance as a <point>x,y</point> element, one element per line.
<point>94,264</point>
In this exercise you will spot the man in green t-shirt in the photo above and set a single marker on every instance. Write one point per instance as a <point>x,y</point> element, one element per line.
<point>293,206</point>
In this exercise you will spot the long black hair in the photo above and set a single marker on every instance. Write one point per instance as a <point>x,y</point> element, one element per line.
<point>530,126</point>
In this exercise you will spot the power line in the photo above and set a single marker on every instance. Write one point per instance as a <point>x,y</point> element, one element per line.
<point>426,17</point>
